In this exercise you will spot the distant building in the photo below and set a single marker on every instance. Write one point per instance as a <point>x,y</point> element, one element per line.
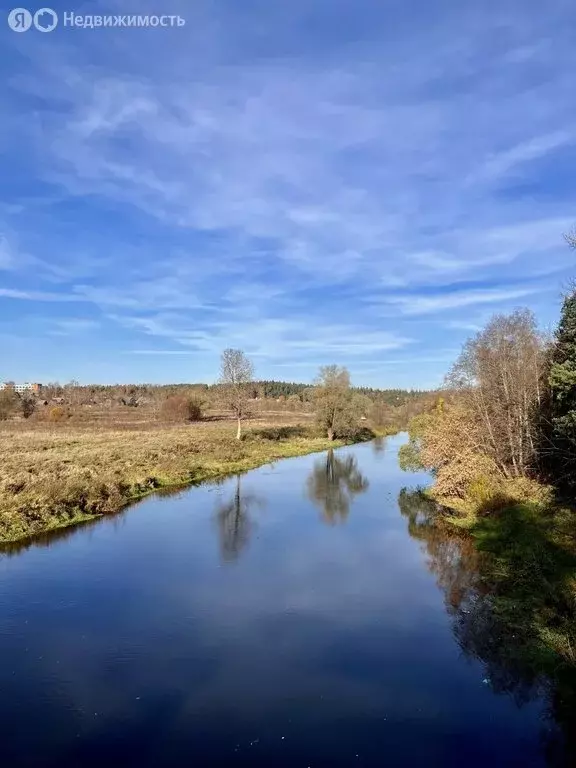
<point>27,386</point>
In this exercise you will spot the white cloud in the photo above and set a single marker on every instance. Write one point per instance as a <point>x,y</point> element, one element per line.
<point>160,352</point>
<point>72,326</point>
<point>8,259</point>
<point>272,340</point>
<point>422,305</point>
<point>502,163</point>
<point>11,293</point>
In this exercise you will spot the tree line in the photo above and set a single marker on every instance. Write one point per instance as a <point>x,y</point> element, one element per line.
<point>259,388</point>
<point>236,391</point>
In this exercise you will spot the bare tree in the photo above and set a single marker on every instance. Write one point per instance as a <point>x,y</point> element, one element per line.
<point>52,389</point>
<point>73,392</point>
<point>500,378</point>
<point>571,238</point>
<point>236,376</point>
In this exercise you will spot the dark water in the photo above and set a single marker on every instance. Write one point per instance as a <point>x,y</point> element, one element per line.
<point>301,615</point>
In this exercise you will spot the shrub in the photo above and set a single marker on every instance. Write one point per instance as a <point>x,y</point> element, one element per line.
<point>8,403</point>
<point>281,433</point>
<point>491,493</point>
<point>27,406</point>
<point>355,433</point>
<point>57,414</point>
<point>293,402</point>
<point>181,408</point>
<point>486,494</point>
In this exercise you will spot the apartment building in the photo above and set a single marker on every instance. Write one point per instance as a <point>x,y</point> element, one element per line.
<point>26,387</point>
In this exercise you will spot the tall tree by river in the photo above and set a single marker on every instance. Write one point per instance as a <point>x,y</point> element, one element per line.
<point>236,375</point>
<point>487,428</point>
<point>500,378</point>
<point>338,407</point>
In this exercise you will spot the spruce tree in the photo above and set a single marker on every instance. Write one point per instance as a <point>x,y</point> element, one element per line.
<point>562,381</point>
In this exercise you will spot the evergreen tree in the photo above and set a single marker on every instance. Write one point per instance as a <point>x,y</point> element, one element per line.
<point>562,380</point>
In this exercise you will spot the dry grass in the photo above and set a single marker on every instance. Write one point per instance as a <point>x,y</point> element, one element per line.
<point>107,416</point>
<point>52,476</point>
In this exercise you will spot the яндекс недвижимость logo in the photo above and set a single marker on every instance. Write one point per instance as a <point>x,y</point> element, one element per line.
<point>44,20</point>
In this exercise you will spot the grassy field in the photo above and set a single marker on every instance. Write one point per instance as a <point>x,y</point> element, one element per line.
<point>54,476</point>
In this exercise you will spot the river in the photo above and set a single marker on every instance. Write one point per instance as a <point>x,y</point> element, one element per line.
<point>303,614</point>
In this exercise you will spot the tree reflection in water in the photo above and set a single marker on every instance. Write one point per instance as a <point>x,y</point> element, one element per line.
<point>486,630</point>
<point>234,521</point>
<point>333,484</point>
<point>378,446</point>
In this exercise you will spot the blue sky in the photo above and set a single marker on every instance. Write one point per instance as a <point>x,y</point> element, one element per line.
<point>343,181</point>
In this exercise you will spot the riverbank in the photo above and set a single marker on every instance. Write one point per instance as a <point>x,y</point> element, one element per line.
<point>58,477</point>
<point>526,549</point>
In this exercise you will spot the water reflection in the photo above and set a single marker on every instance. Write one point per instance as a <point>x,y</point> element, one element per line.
<point>452,560</point>
<point>378,446</point>
<point>235,522</point>
<point>333,484</point>
<point>55,536</point>
<point>484,623</point>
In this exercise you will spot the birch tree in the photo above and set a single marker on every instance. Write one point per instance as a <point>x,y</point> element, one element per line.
<point>236,376</point>
<point>500,379</point>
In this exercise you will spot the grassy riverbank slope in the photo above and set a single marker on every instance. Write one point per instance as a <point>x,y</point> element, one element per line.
<point>54,477</point>
<point>527,544</point>
<point>526,558</point>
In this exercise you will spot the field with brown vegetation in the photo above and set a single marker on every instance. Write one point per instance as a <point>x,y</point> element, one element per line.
<point>58,475</point>
<point>78,452</point>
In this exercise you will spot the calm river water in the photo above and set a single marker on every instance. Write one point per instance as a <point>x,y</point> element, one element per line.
<point>303,614</point>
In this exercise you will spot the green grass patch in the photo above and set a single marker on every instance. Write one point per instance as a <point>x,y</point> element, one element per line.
<point>530,568</point>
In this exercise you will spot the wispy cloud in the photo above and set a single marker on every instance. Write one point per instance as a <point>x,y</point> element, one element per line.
<point>502,163</point>
<point>422,305</point>
<point>160,352</point>
<point>233,183</point>
<point>10,293</point>
<point>277,339</point>
<point>72,326</point>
